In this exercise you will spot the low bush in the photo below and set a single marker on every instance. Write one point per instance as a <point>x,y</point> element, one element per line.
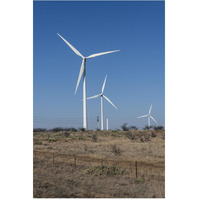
<point>57,129</point>
<point>82,129</point>
<point>37,142</point>
<point>85,147</point>
<point>139,180</point>
<point>133,128</point>
<point>94,138</point>
<point>52,139</point>
<point>66,134</point>
<point>72,129</point>
<point>141,136</point>
<point>131,136</point>
<point>116,150</point>
<point>158,128</point>
<point>153,134</point>
<point>147,127</point>
<point>39,130</point>
<point>147,137</point>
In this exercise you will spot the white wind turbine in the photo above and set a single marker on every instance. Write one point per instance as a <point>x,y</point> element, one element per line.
<point>102,95</point>
<point>83,72</point>
<point>148,116</point>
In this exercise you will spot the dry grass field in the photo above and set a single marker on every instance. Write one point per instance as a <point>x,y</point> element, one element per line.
<point>99,164</point>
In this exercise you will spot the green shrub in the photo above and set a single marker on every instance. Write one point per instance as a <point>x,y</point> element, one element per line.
<point>139,180</point>
<point>52,139</point>
<point>38,143</point>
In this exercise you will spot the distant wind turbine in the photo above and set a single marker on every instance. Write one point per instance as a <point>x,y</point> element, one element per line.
<point>148,116</point>
<point>102,95</point>
<point>83,72</point>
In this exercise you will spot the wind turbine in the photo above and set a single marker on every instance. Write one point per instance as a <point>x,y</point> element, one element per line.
<point>149,116</point>
<point>102,95</point>
<point>83,72</point>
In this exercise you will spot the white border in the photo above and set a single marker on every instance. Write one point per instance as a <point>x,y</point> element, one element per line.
<point>182,99</point>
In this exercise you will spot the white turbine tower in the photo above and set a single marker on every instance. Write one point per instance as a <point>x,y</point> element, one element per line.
<point>148,116</point>
<point>102,95</point>
<point>107,124</point>
<point>83,72</point>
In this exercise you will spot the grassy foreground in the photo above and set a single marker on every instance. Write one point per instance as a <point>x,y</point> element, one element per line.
<point>99,164</point>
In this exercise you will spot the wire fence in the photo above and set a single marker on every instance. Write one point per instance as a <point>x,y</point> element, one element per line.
<point>134,167</point>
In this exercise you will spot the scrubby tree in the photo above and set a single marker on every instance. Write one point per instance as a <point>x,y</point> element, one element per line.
<point>158,128</point>
<point>124,127</point>
<point>147,127</point>
<point>57,129</point>
<point>82,129</point>
<point>133,128</point>
<point>72,129</point>
<point>39,130</point>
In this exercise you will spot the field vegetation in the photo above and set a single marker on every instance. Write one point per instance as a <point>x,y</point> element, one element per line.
<point>99,164</point>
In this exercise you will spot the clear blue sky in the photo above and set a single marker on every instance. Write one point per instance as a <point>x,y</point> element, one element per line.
<point>136,74</point>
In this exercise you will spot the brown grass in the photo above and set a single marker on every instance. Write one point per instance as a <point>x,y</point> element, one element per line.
<point>79,166</point>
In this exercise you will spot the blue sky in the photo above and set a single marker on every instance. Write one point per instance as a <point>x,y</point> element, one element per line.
<point>136,77</point>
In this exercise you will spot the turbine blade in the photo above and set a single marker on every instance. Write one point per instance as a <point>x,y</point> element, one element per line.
<point>150,109</point>
<point>100,54</point>
<point>104,83</point>
<point>153,119</point>
<point>80,75</point>
<point>75,50</point>
<point>95,96</point>
<point>142,116</point>
<point>109,101</point>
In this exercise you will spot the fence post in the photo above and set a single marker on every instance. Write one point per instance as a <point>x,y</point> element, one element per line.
<point>75,161</point>
<point>102,162</point>
<point>53,158</point>
<point>136,168</point>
